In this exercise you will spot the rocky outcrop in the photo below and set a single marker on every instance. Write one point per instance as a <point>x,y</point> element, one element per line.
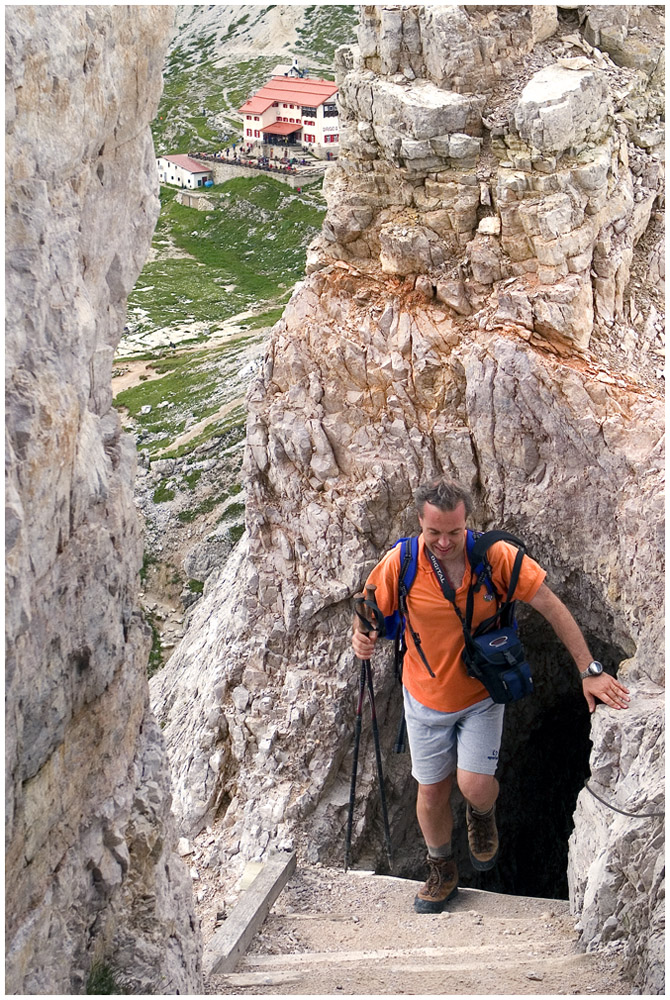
<point>617,869</point>
<point>467,310</point>
<point>535,190</point>
<point>92,877</point>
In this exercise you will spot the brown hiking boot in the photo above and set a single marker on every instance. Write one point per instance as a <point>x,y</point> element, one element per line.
<point>482,838</point>
<point>442,884</point>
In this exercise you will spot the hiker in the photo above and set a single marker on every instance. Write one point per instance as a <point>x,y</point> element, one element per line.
<point>453,725</point>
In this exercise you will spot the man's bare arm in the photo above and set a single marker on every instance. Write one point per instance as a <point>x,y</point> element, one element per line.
<point>604,686</point>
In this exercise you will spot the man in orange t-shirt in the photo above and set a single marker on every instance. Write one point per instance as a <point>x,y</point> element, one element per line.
<point>453,725</point>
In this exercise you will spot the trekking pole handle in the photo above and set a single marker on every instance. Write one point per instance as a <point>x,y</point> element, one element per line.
<point>369,614</point>
<point>359,607</point>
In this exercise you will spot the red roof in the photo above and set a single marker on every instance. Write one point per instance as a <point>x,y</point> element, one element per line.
<point>305,90</point>
<point>257,105</point>
<point>186,163</point>
<point>281,128</point>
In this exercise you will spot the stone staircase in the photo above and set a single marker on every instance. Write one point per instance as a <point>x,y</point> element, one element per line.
<point>357,934</point>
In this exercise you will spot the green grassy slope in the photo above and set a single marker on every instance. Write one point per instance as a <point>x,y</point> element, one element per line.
<point>244,254</point>
<point>323,29</point>
<point>249,250</point>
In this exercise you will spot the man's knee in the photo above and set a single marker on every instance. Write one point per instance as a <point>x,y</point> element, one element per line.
<point>435,795</point>
<point>479,789</point>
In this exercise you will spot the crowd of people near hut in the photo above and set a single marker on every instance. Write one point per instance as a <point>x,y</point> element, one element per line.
<point>241,155</point>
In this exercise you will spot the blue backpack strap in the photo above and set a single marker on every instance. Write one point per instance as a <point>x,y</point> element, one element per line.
<point>479,563</point>
<point>409,558</point>
<point>408,572</point>
<point>477,549</point>
<point>394,624</point>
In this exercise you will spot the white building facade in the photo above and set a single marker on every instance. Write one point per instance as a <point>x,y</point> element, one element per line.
<point>182,171</point>
<point>289,112</point>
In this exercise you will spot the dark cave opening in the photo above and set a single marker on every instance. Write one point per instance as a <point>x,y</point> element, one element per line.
<point>544,769</point>
<point>544,762</point>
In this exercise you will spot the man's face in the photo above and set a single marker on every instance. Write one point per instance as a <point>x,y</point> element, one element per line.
<point>444,531</point>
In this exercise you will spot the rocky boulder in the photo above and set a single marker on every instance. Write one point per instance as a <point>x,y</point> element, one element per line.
<point>561,107</point>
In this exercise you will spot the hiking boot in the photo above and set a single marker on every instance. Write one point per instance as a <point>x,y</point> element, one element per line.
<point>482,838</point>
<point>442,884</point>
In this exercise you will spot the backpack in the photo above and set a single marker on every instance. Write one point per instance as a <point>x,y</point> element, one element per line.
<point>493,652</point>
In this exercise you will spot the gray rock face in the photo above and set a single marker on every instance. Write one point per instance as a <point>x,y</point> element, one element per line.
<point>626,813</point>
<point>427,339</point>
<point>628,33</point>
<point>447,140</point>
<point>259,739</point>
<point>91,872</point>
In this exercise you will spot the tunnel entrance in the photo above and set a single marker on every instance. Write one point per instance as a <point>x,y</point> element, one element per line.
<point>544,762</point>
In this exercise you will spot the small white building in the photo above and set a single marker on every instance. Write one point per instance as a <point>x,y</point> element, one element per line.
<point>294,111</point>
<point>182,171</point>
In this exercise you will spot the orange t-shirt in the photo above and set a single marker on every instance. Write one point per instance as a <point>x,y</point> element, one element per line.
<point>433,617</point>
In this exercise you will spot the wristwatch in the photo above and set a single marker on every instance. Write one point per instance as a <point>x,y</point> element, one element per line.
<point>594,668</point>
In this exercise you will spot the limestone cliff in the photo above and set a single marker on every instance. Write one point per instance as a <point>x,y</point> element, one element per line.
<point>473,306</point>
<point>91,875</point>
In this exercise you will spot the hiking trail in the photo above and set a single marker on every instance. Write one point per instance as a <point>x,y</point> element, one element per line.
<point>357,933</point>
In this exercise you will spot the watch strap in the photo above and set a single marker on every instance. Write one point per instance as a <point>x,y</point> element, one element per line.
<point>583,674</point>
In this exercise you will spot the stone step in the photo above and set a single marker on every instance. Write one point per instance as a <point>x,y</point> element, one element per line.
<point>357,934</point>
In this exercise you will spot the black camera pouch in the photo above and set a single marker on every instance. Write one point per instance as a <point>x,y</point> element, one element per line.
<point>497,659</point>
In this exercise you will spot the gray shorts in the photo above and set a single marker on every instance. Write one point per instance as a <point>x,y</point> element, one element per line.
<point>439,742</point>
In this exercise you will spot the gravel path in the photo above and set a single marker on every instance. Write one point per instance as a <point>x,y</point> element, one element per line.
<point>357,934</point>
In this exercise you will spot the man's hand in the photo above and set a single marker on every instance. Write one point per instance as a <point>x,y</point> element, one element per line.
<point>607,689</point>
<point>363,644</point>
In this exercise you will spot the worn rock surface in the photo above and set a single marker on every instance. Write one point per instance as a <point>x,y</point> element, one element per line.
<point>480,304</point>
<point>617,871</point>
<point>530,183</point>
<point>92,875</point>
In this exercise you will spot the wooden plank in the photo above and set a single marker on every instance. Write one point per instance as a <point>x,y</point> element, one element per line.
<point>232,939</point>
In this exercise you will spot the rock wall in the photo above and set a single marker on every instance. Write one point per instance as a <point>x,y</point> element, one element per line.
<point>91,875</point>
<point>617,857</point>
<point>478,304</point>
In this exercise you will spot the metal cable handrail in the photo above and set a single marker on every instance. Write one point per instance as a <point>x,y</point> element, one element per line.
<point>622,811</point>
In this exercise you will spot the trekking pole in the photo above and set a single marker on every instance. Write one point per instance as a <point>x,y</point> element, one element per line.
<point>400,741</point>
<point>361,603</point>
<point>354,767</point>
<point>372,604</point>
<point>378,755</point>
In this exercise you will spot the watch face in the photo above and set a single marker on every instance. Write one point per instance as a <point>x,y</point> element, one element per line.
<point>595,668</point>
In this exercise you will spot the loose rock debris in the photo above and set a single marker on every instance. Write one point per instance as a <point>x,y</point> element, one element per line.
<point>357,933</point>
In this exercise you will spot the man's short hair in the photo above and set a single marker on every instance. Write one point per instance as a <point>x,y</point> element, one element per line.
<point>443,493</point>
